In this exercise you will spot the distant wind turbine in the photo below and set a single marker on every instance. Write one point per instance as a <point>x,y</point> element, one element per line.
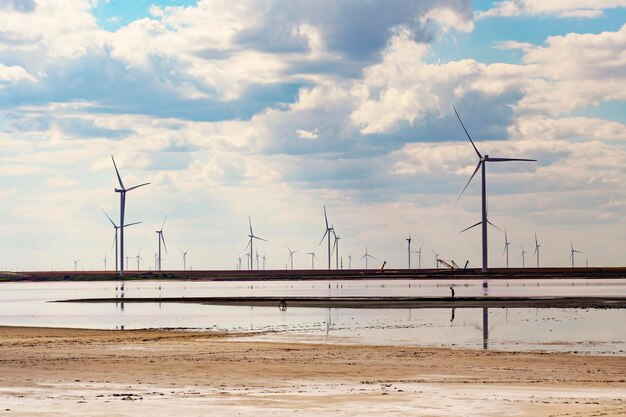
<point>116,227</point>
<point>105,261</point>
<point>436,257</point>
<point>250,243</point>
<point>336,247</point>
<point>185,258</point>
<point>239,263</point>
<point>160,238</point>
<point>482,163</point>
<point>327,233</point>
<point>536,253</point>
<point>264,262</point>
<point>419,256</point>
<point>350,261</point>
<point>139,258</point>
<point>408,239</point>
<point>313,258</point>
<point>76,264</point>
<point>123,190</point>
<point>366,255</point>
<point>291,252</point>
<point>573,251</point>
<point>506,247</point>
<point>523,257</point>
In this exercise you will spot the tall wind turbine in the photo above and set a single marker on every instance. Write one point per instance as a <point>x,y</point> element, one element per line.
<point>506,247</point>
<point>537,246</point>
<point>291,252</point>
<point>367,255</point>
<point>185,258</point>
<point>573,251</point>
<point>326,233</point>
<point>482,163</point>
<point>250,242</point>
<point>523,257</point>
<point>408,239</point>
<point>160,238</point>
<point>123,190</point>
<point>116,227</point>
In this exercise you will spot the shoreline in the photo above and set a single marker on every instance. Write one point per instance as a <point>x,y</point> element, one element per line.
<point>126,373</point>
<point>378,302</point>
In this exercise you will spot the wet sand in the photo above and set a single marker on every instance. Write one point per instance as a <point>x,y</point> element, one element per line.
<point>130,373</point>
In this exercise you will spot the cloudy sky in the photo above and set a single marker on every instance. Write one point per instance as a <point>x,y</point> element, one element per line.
<point>273,109</point>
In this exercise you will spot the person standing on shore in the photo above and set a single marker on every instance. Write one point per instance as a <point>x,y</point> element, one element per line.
<point>452,290</point>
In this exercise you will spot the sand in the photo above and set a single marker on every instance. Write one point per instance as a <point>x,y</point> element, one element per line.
<point>129,373</point>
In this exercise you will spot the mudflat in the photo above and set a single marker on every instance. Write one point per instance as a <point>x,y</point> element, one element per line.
<point>46,371</point>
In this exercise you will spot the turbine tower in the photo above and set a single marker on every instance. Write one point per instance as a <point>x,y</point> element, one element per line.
<point>419,256</point>
<point>482,163</point>
<point>350,261</point>
<point>139,258</point>
<point>326,233</point>
<point>436,257</point>
<point>537,246</point>
<point>573,251</point>
<point>506,247</point>
<point>116,227</point>
<point>123,190</point>
<point>367,255</point>
<point>408,239</point>
<point>185,258</point>
<point>291,252</point>
<point>160,238</point>
<point>76,264</point>
<point>250,242</point>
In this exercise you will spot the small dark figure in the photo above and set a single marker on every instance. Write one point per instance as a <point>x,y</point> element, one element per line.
<point>452,290</point>
<point>282,305</point>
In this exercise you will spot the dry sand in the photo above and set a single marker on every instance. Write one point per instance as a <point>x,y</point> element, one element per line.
<point>131,373</point>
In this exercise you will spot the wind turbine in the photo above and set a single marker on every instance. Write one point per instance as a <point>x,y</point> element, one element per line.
<point>313,258</point>
<point>573,251</point>
<point>537,246</point>
<point>160,238</point>
<point>408,239</point>
<point>482,163</point>
<point>419,256</point>
<point>291,252</point>
<point>436,257</point>
<point>105,261</point>
<point>257,259</point>
<point>326,233</point>
<point>350,261</point>
<point>506,247</point>
<point>367,255</point>
<point>76,264</point>
<point>264,262</point>
<point>336,247</point>
<point>139,258</point>
<point>239,264</point>
<point>123,190</point>
<point>250,242</point>
<point>523,257</point>
<point>116,227</point>
<point>185,258</point>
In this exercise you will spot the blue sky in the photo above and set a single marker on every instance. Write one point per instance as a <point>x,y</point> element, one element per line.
<point>273,109</point>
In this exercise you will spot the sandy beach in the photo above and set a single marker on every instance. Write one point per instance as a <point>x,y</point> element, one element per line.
<point>47,371</point>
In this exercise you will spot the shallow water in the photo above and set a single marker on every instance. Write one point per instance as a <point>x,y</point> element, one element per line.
<point>580,330</point>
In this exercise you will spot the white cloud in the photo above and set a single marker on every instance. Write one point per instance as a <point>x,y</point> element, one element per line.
<point>306,134</point>
<point>13,74</point>
<point>449,18</point>
<point>561,8</point>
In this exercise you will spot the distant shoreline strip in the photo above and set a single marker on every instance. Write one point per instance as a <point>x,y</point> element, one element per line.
<point>379,302</point>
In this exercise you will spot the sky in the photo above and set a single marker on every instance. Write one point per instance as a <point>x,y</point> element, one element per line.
<point>274,109</point>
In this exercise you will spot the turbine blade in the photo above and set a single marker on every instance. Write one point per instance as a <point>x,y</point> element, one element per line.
<point>131,224</point>
<point>112,222</point>
<point>118,173</point>
<point>259,238</point>
<point>250,223</point>
<point>325,233</point>
<point>137,186</point>
<point>468,135</point>
<point>488,221</point>
<point>163,239</point>
<point>163,224</point>
<point>474,225</point>
<point>510,159</point>
<point>468,182</point>
<point>325,217</point>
